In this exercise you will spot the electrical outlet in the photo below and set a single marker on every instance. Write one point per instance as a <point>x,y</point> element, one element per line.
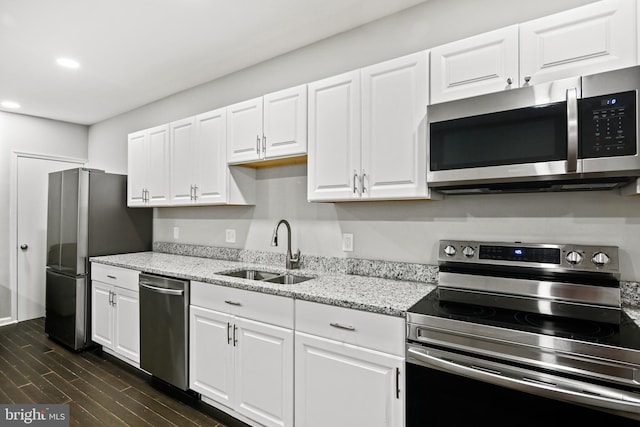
<point>176,232</point>
<point>347,242</point>
<point>230,235</point>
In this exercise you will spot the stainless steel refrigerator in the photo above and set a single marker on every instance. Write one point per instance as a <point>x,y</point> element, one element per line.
<point>87,216</point>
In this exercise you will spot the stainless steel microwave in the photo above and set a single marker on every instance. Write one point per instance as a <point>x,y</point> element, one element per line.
<point>573,134</point>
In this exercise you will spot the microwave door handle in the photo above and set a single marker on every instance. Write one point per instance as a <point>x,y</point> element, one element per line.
<point>572,130</point>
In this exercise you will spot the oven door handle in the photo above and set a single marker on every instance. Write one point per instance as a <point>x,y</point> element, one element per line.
<point>625,402</point>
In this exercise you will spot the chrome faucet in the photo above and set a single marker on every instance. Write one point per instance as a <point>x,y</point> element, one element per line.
<point>292,261</point>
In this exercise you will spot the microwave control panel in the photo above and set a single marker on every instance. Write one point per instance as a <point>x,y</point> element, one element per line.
<point>608,125</point>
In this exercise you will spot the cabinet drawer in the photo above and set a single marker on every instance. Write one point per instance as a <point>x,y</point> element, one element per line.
<point>362,328</point>
<point>122,277</point>
<point>266,308</point>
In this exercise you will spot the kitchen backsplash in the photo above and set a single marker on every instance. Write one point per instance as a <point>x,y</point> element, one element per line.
<point>630,291</point>
<point>362,267</point>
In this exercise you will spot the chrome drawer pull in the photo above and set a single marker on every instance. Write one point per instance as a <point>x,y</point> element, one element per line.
<point>232,302</point>
<point>111,277</point>
<point>339,326</point>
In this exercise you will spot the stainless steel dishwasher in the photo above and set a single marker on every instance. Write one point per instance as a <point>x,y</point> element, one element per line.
<point>164,323</point>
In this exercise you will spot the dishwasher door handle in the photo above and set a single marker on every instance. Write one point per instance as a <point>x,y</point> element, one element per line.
<point>165,291</point>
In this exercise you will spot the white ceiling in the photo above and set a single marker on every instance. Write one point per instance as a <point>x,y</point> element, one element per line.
<point>133,52</point>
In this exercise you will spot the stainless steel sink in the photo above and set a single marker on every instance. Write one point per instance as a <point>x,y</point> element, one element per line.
<point>288,279</point>
<point>251,274</point>
<point>266,276</point>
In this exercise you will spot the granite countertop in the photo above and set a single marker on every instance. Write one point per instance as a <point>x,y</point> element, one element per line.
<point>378,295</point>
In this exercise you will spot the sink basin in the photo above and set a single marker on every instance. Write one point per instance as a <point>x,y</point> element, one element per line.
<point>288,279</point>
<point>251,274</point>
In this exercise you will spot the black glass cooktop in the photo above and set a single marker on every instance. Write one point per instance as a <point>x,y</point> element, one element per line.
<point>625,334</point>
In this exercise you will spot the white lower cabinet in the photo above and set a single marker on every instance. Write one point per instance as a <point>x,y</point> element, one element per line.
<point>349,368</point>
<point>115,312</point>
<point>244,364</point>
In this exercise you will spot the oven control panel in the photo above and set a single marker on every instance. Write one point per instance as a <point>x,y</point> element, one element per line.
<point>574,257</point>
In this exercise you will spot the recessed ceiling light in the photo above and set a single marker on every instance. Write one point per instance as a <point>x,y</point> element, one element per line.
<point>10,105</point>
<point>68,63</point>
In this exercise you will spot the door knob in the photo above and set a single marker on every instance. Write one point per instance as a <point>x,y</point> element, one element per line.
<point>24,246</point>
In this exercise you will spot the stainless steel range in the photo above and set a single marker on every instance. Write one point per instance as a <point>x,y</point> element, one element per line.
<point>532,334</point>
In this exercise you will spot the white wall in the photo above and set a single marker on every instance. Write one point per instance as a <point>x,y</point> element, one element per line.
<point>402,231</point>
<point>27,134</point>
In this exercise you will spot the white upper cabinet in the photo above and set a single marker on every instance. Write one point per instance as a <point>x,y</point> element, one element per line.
<point>394,101</point>
<point>285,123</point>
<point>334,138</point>
<point>597,37</point>
<point>367,133</point>
<point>182,160</point>
<point>268,127</point>
<point>244,126</point>
<point>199,171</point>
<point>475,65</point>
<point>148,181</point>
<point>215,183</point>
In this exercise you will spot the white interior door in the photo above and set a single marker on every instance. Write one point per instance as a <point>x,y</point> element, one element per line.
<point>32,190</point>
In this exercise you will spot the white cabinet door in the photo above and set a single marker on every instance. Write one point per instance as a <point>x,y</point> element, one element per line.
<point>210,162</point>
<point>394,102</point>
<point>102,314</point>
<point>211,364</point>
<point>138,163</point>
<point>182,161</point>
<point>474,66</point>
<point>149,167</point>
<point>244,131</point>
<point>344,385</point>
<point>285,123</point>
<point>334,138</point>
<point>127,324</point>
<point>585,40</point>
<point>158,173</point>
<point>264,373</point>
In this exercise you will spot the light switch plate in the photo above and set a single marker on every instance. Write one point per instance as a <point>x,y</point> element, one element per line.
<point>347,242</point>
<point>230,235</point>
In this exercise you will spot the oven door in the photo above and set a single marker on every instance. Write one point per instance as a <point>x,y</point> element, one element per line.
<point>487,392</point>
<point>523,134</point>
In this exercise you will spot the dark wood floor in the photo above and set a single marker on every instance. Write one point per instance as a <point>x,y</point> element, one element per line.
<point>99,389</point>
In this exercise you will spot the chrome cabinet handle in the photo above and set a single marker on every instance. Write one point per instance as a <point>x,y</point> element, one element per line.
<point>362,178</point>
<point>527,79</point>
<point>258,145</point>
<point>509,81</point>
<point>228,333</point>
<point>572,130</point>
<point>191,192</point>
<point>345,327</point>
<point>355,181</point>
<point>195,192</point>
<point>591,394</point>
<point>24,246</point>
<point>111,277</point>
<point>235,339</point>
<point>397,383</point>
<point>232,302</point>
<point>264,146</point>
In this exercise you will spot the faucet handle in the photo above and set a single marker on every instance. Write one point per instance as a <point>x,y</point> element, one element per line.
<point>293,261</point>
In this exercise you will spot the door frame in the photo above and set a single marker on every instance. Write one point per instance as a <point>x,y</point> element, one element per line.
<point>13,222</point>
